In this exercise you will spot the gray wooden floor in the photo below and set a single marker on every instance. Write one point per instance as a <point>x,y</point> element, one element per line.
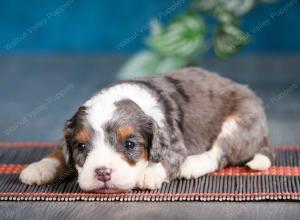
<point>149,211</point>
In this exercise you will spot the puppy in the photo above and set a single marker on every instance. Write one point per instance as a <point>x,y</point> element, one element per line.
<point>143,132</point>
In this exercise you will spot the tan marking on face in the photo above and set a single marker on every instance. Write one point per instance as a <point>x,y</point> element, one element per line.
<point>146,154</point>
<point>83,136</point>
<point>124,132</point>
<point>130,162</point>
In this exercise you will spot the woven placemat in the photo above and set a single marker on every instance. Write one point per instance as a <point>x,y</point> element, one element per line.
<point>280,182</point>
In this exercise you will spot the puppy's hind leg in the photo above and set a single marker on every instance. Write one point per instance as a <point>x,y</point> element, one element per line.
<point>261,160</point>
<point>198,165</point>
<point>45,170</point>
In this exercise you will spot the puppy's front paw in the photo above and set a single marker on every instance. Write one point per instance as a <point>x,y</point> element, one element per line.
<point>152,177</point>
<point>41,172</point>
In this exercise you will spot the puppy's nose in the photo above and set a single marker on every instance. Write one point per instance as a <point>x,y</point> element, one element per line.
<point>103,174</point>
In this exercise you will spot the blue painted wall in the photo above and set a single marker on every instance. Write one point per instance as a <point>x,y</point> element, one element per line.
<point>100,26</point>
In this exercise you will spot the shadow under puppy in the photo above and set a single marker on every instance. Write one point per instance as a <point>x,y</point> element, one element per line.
<point>143,132</point>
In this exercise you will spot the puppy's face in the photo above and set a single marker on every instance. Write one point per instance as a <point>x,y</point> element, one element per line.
<point>111,150</point>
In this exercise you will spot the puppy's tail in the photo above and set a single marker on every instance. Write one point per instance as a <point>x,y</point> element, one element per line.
<point>262,160</point>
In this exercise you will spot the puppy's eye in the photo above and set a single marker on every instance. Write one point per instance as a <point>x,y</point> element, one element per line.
<point>129,144</point>
<point>81,147</point>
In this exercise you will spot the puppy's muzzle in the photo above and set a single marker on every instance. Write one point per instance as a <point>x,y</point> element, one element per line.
<point>103,174</point>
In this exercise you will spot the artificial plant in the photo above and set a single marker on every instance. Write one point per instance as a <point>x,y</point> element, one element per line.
<point>186,37</point>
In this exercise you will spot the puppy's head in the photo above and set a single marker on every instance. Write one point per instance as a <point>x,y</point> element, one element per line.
<point>111,145</point>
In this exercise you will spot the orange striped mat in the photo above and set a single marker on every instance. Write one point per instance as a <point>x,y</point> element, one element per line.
<point>280,182</point>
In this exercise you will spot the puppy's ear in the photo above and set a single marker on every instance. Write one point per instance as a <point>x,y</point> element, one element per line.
<point>75,121</point>
<point>66,141</point>
<point>159,143</point>
<point>69,130</point>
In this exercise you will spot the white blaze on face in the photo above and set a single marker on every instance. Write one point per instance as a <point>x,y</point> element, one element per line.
<point>123,176</point>
<point>102,105</point>
<point>100,110</point>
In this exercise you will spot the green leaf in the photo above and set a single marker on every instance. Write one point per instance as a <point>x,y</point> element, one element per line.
<point>142,64</point>
<point>204,5</point>
<point>223,15</point>
<point>171,63</point>
<point>235,7</point>
<point>239,7</point>
<point>184,37</point>
<point>228,40</point>
<point>267,1</point>
<point>155,27</point>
